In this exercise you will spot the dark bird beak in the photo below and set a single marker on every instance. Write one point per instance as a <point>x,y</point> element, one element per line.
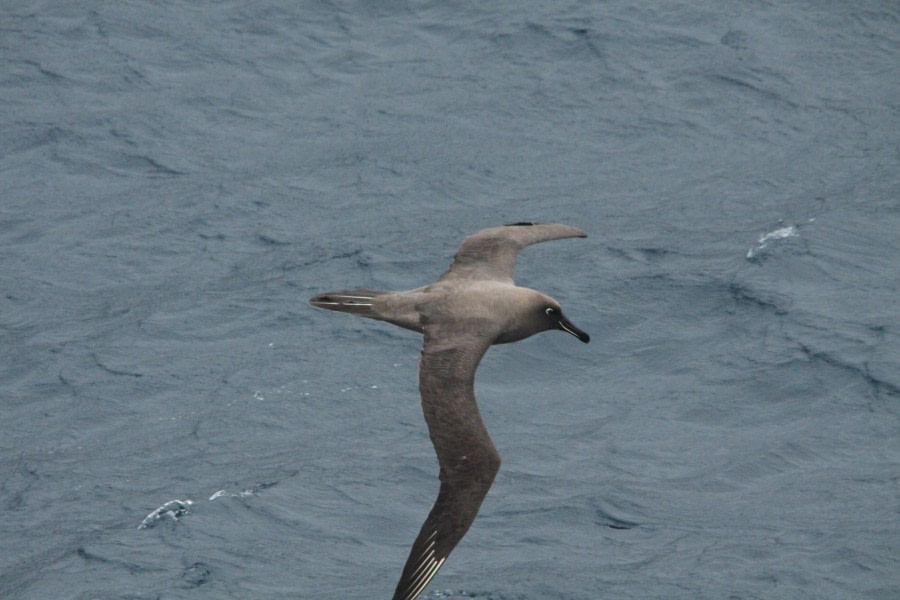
<point>567,326</point>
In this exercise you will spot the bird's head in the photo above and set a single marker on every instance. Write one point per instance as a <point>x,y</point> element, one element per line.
<point>532,312</point>
<point>552,315</point>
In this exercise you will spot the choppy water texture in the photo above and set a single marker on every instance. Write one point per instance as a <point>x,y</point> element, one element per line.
<point>177,178</point>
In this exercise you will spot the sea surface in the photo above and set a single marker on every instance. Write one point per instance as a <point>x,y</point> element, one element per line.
<point>177,178</point>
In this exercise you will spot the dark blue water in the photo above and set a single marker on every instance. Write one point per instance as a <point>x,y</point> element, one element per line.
<point>177,178</point>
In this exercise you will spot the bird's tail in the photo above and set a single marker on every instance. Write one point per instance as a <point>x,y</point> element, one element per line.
<point>358,302</point>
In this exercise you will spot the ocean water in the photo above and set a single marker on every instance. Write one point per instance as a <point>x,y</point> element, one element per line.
<point>177,178</point>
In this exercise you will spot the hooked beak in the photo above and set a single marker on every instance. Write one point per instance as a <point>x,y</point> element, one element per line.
<point>567,326</point>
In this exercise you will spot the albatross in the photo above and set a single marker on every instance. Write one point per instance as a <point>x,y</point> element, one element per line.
<point>472,306</point>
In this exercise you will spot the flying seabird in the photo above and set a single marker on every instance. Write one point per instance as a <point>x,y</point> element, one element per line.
<point>473,305</point>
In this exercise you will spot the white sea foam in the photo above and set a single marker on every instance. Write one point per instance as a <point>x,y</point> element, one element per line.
<point>172,508</point>
<point>778,234</point>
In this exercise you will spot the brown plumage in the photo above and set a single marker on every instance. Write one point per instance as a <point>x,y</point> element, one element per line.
<point>473,305</point>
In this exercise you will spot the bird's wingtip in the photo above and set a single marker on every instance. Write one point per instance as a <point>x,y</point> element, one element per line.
<point>580,233</point>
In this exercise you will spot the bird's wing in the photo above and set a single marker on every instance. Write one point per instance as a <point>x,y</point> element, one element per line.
<point>491,253</point>
<point>467,457</point>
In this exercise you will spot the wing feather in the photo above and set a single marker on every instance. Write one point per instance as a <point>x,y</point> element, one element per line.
<point>491,253</point>
<point>467,457</point>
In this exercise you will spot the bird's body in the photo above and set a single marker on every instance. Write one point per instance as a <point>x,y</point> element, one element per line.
<point>472,306</point>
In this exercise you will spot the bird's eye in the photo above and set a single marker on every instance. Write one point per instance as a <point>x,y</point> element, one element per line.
<point>550,311</point>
